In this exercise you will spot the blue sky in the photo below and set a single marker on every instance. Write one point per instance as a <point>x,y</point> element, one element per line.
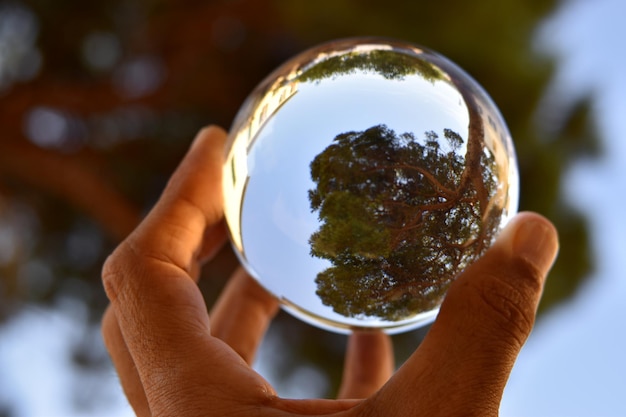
<point>573,364</point>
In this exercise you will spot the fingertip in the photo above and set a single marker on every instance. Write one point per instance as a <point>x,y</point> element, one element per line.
<point>372,349</point>
<point>198,177</point>
<point>369,364</point>
<point>210,133</point>
<point>213,129</point>
<point>535,241</point>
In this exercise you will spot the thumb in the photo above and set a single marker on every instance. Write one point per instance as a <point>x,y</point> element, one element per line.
<point>463,364</point>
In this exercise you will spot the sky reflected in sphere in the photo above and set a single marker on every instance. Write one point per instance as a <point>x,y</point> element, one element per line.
<point>361,177</point>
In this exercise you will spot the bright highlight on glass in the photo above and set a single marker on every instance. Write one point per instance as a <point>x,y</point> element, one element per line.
<point>361,177</point>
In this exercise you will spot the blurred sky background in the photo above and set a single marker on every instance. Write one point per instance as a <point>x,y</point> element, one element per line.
<point>573,363</point>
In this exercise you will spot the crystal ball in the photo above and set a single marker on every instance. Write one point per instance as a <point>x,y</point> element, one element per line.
<point>361,177</point>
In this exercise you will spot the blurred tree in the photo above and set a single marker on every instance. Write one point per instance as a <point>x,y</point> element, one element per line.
<point>90,135</point>
<point>98,101</point>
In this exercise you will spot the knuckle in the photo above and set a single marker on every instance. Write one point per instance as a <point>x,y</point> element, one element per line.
<point>116,267</point>
<point>511,303</point>
<point>509,312</point>
<point>111,276</point>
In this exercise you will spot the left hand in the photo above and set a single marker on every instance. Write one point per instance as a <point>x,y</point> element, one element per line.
<point>173,360</point>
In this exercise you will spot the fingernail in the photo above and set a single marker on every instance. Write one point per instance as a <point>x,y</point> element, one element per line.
<point>536,241</point>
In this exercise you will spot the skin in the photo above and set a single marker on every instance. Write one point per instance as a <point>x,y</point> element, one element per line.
<point>174,358</point>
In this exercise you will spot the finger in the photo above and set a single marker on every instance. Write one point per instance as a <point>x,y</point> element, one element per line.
<point>160,311</point>
<point>242,314</point>
<point>185,224</point>
<point>484,320</point>
<point>123,362</point>
<point>369,364</point>
<point>151,270</point>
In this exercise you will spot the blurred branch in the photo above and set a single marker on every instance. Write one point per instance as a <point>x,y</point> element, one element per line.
<point>70,179</point>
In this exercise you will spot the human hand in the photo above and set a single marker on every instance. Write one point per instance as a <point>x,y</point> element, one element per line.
<point>176,359</point>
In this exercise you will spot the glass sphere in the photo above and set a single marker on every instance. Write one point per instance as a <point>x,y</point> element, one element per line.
<point>361,177</point>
